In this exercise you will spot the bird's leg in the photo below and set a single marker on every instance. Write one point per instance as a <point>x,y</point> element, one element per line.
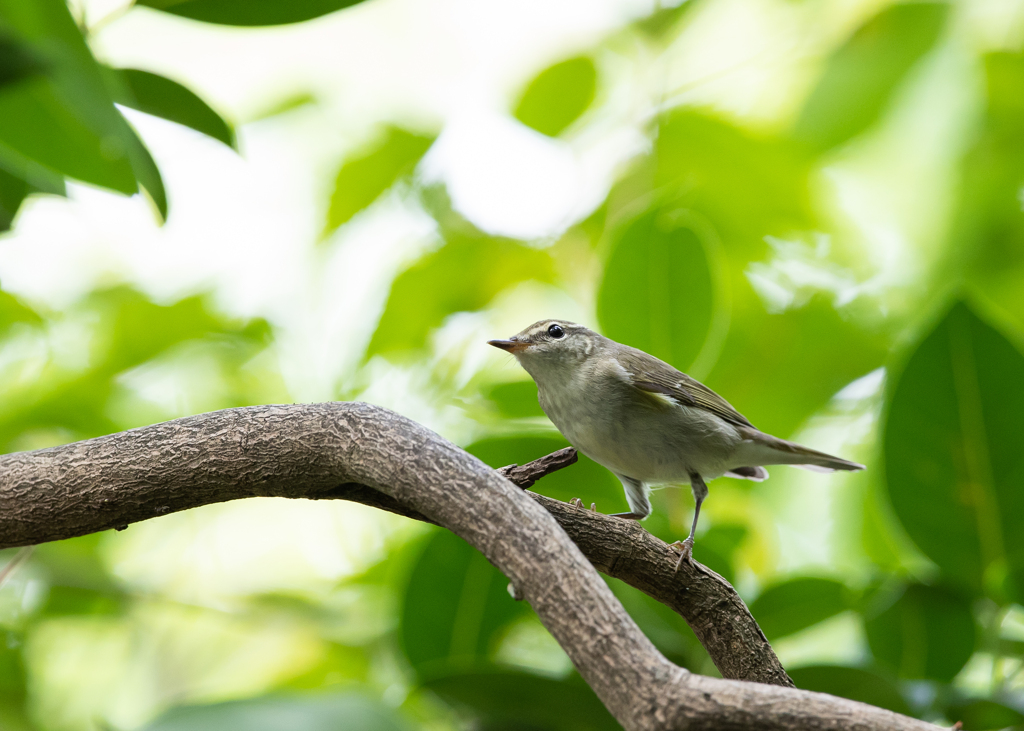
<point>576,502</point>
<point>685,548</point>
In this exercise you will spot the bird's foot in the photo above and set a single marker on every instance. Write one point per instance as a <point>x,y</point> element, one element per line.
<point>685,549</point>
<point>576,502</point>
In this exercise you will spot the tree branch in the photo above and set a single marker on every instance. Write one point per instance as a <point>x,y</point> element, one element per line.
<point>309,450</point>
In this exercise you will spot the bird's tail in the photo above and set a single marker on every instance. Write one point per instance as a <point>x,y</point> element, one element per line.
<point>764,449</point>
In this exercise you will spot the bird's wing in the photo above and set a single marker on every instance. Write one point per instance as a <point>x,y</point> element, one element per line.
<point>656,376</point>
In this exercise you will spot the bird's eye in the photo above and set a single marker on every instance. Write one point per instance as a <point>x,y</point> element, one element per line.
<point>556,331</point>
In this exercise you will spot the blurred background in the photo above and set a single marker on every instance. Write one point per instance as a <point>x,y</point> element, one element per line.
<point>814,206</point>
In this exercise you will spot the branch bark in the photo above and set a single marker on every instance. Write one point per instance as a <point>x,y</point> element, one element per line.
<point>325,450</point>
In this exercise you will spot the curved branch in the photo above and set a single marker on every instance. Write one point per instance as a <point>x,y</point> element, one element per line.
<point>309,450</point>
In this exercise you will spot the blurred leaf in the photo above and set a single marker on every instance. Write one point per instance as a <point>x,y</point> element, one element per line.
<point>249,12</point>
<point>74,600</point>
<point>17,60</point>
<point>983,714</point>
<point>796,604</point>
<point>363,178</point>
<point>505,699</point>
<point>862,76</point>
<point>462,276</point>
<point>986,237</point>
<point>853,683</point>
<point>13,191</point>
<point>12,311</point>
<point>66,120</point>
<point>586,479</point>
<point>161,97</point>
<point>13,711</point>
<point>747,186</point>
<point>558,96</point>
<point>455,606</point>
<point>929,632</point>
<point>658,292</point>
<point>515,400</point>
<point>664,627</point>
<point>953,461</point>
<point>273,713</point>
<point>717,547</point>
<point>664,19</point>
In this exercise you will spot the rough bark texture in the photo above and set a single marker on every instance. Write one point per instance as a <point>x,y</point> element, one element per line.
<point>311,450</point>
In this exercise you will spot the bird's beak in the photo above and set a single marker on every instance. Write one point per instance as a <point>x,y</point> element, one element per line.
<point>512,346</point>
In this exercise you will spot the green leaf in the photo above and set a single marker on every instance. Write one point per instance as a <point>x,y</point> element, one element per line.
<point>12,310</point>
<point>462,276</point>
<point>853,683</point>
<point>363,178</point>
<point>517,700</point>
<point>717,546</point>
<point>17,60</point>
<point>861,77</point>
<point>558,96</point>
<point>455,605</point>
<point>13,191</point>
<point>249,12</point>
<point>953,462</point>
<point>272,713</point>
<point>983,714</point>
<point>659,291</point>
<point>66,120</point>
<point>929,632</point>
<point>161,97</point>
<point>586,479</point>
<point>796,604</point>
<point>515,400</point>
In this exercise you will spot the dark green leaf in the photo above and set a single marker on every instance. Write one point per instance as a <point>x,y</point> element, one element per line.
<point>659,291</point>
<point>455,606</point>
<point>17,60</point>
<point>716,547</point>
<point>586,479</point>
<point>861,77</point>
<point>953,462</point>
<point>983,714</point>
<point>66,120</point>
<point>558,96</point>
<point>372,171</point>
<point>13,191</point>
<point>249,12</point>
<point>274,713</point>
<point>516,400</point>
<point>797,604</point>
<point>463,275</point>
<point>929,632</point>
<point>853,683</point>
<point>161,97</point>
<point>503,699</point>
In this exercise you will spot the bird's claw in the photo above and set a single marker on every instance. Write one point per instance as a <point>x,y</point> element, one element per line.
<point>685,549</point>
<point>593,507</point>
<point>576,502</point>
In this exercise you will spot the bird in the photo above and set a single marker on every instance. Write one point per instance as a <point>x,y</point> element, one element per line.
<point>645,421</point>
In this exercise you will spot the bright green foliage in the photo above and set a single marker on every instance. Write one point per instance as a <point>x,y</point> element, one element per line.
<point>505,699</point>
<point>363,177</point>
<point>12,192</point>
<point>307,712</point>
<point>927,633</point>
<point>17,60</point>
<point>159,96</point>
<point>515,400</point>
<point>862,76</point>
<point>659,291</point>
<point>249,12</point>
<point>13,311</point>
<point>462,276</point>
<point>961,502</point>
<point>558,96</point>
<point>455,607</point>
<point>854,683</point>
<point>797,604</point>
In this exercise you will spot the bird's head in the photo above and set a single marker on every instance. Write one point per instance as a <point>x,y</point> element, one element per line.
<point>550,344</point>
